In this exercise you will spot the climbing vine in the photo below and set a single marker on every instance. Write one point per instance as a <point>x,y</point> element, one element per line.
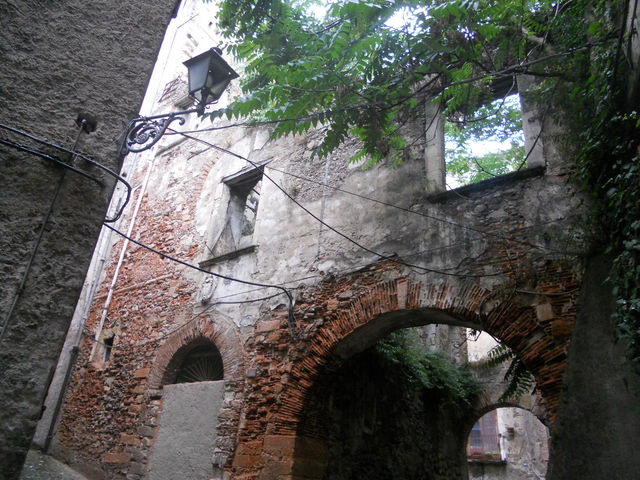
<point>611,165</point>
<point>600,109</point>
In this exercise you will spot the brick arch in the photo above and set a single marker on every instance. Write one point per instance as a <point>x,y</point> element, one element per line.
<point>223,334</point>
<point>347,315</point>
<point>486,407</point>
<point>404,302</point>
<point>203,330</point>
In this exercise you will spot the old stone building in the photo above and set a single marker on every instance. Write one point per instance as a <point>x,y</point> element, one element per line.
<point>226,325</point>
<point>59,59</point>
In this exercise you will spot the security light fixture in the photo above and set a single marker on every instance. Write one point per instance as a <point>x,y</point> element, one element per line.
<point>209,76</point>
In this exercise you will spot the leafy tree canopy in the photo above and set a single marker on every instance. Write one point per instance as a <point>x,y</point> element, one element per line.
<point>365,67</point>
<point>492,127</point>
<point>358,70</point>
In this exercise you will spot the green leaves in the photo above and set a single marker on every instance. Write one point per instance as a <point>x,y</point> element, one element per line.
<point>432,370</point>
<point>359,69</point>
<point>520,380</point>
<point>365,68</point>
<point>496,131</point>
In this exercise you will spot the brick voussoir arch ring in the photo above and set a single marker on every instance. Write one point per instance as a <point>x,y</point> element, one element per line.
<point>222,335</point>
<point>462,303</point>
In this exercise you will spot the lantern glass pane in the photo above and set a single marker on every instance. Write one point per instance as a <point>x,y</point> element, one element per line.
<point>218,89</point>
<point>198,71</point>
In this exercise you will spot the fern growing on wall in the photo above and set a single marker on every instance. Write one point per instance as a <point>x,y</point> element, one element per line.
<point>520,380</point>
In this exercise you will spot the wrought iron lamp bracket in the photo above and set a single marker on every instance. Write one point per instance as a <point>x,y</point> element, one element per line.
<point>144,132</point>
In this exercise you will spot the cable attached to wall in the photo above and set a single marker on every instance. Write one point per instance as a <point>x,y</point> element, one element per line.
<point>88,333</point>
<point>82,122</point>
<point>420,269</point>
<point>290,315</point>
<point>34,251</point>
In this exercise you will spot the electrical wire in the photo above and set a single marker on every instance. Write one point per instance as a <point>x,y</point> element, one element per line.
<point>217,302</point>
<point>36,246</point>
<point>323,184</point>
<point>73,154</point>
<point>46,156</point>
<point>408,210</point>
<point>5,324</point>
<point>222,301</point>
<point>291,318</point>
<point>407,255</point>
<point>88,333</point>
<point>414,267</point>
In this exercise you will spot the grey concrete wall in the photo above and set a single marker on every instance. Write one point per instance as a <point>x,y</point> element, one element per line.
<point>58,58</point>
<point>598,425</point>
<point>187,434</point>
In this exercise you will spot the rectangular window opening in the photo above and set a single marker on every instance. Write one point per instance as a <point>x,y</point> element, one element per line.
<point>484,439</point>
<point>244,198</point>
<point>484,142</point>
<point>108,346</point>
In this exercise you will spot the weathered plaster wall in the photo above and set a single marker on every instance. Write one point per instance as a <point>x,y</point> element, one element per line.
<point>58,58</point>
<point>187,431</point>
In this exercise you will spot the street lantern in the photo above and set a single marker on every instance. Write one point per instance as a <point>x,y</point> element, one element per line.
<point>209,76</point>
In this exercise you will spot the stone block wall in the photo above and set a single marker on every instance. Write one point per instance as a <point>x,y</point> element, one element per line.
<point>58,59</point>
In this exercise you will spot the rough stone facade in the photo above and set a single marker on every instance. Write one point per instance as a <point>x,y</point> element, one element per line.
<point>58,59</point>
<point>504,256</point>
<point>497,261</point>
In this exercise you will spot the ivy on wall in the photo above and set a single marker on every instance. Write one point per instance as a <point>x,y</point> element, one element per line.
<point>429,369</point>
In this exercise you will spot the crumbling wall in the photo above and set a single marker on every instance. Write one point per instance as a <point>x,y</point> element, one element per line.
<point>505,240</point>
<point>58,59</point>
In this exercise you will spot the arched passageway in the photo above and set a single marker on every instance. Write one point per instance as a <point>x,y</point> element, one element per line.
<point>395,410</point>
<point>345,329</point>
<point>508,443</point>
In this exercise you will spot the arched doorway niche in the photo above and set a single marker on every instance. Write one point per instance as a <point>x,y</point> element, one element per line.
<point>199,361</point>
<point>195,377</point>
<point>204,332</point>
